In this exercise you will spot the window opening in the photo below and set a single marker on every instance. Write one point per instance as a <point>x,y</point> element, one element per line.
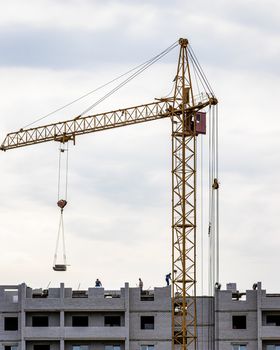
<point>273,320</point>
<point>112,347</point>
<point>41,347</point>
<point>239,347</point>
<point>11,347</point>
<point>79,294</point>
<point>79,321</point>
<point>147,322</point>
<point>112,321</point>
<point>147,347</point>
<point>80,347</point>
<point>13,292</point>
<point>147,295</point>
<point>11,324</point>
<point>236,296</point>
<point>239,322</point>
<point>40,321</point>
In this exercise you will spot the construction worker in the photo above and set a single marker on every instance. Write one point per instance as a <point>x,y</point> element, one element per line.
<point>98,283</point>
<point>168,278</point>
<point>140,284</point>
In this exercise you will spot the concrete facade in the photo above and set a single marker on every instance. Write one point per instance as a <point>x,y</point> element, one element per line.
<point>247,321</point>
<point>95,319</point>
<point>128,319</point>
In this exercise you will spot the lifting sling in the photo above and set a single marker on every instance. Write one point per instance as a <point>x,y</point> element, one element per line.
<point>61,203</point>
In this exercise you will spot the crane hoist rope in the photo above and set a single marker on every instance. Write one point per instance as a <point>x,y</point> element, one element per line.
<point>61,202</point>
<point>213,228</point>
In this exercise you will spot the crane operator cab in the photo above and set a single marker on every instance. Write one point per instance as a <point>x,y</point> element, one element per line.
<point>196,122</point>
<point>200,123</point>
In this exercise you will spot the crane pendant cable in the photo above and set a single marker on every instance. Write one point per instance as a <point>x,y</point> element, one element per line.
<point>61,203</point>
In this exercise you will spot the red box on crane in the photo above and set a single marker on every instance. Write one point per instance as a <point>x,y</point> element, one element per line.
<point>200,123</point>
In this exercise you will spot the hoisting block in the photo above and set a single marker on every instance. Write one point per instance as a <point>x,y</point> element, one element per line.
<point>62,203</point>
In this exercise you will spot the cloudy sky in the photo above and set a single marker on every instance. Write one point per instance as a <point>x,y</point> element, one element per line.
<point>118,219</point>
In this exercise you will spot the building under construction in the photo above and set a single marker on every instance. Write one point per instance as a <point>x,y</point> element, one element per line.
<point>133,319</point>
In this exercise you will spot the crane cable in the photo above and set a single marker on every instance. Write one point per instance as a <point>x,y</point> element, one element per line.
<point>201,210</point>
<point>204,80</point>
<point>62,202</point>
<point>213,228</point>
<point>217,200</point>
<point>203,85</point>
<point>146,65</point>
<point>139,69</point>
<point>202,227</point>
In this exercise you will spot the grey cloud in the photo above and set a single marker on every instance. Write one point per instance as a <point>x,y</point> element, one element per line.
<point>229,36</point>
<point>263,16</point>
<point>72,49</point>
<point>255,14</point>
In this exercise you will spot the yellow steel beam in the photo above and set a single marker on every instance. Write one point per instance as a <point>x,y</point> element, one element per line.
<point>69,129</point>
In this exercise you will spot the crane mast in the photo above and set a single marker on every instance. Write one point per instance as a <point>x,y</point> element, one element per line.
<point>182,110</point>
<point>183,208</point>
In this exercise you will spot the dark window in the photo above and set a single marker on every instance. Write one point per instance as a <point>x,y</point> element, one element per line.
<point>41,347</point>
<point>11,347</point>
<point>147,295</point>
<point>11,323</point>
<point>112,347</point>
<point>273,320</point>
<point>79,321</point>
<point>239,322</point>
<point>147,322</point>
<point>239,347</point>
<point>40,321</point>
<point>112,321</point>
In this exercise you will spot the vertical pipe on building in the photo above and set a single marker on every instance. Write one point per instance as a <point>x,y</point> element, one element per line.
<point>126,315</point>
<point>61,315</point>
<point>217,198</point>
<point>212,317</point>
<point>21,300</point>
<point>216,316</point>
<point>259,314</point>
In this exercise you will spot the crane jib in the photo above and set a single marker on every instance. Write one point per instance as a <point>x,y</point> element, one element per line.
<point>69,129</point>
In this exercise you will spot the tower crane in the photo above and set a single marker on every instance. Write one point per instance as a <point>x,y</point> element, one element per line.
<point>185,110</point>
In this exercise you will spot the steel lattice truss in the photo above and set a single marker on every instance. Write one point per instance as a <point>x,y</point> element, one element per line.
<point>69,129</point>
<point>184,209</point>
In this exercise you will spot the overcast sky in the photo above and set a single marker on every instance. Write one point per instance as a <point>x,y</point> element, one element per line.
<point>118,220</point>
